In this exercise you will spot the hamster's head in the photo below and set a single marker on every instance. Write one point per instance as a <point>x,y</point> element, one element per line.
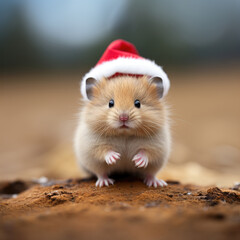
<point>125,106</point>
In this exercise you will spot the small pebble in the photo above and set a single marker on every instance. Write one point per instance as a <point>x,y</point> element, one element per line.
<point>41,180</point>
<point>14,195</point>
<point>236,186</point>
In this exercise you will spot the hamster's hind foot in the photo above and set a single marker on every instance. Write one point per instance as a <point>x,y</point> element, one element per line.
<point>152,181</point>
<point>104,181</point>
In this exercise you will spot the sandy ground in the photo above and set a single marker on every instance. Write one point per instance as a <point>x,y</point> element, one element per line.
<point>76,209</point>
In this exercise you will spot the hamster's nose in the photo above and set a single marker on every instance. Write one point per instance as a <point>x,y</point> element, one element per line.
<point>123,117</point>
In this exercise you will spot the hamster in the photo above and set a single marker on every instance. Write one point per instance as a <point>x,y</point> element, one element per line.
<point>124,127</point>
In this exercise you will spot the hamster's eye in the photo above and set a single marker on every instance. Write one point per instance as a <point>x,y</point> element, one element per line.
<point>111,103</point>
<point>137,103</point>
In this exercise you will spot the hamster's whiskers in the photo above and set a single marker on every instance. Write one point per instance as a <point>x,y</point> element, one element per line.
<point>101,130</point>
<point>149,135</point>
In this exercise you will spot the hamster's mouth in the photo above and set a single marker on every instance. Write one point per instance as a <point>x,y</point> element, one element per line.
<point>124,126</point>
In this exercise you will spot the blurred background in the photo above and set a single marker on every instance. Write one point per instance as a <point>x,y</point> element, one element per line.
<point>47,46</point>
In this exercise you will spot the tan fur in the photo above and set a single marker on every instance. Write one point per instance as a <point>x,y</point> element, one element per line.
<point>98,130</point>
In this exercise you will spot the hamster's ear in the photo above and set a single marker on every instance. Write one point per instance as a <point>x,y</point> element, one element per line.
<point>90,83</point>
<point>158,82</point>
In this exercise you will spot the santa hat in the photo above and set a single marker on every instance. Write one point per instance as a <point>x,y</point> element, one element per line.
<point>122,58</point>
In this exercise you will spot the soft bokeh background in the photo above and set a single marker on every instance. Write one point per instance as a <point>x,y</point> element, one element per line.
<point>46,47</point>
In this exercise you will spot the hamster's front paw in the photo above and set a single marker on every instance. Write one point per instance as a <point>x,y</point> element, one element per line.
<point>152,181</point>
<point>111,157</point>
<point>140,159</point>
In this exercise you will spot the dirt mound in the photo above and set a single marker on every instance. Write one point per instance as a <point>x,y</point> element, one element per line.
<point>76,209</point>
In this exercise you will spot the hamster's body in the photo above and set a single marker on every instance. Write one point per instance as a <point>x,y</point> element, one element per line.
<point>124,127</point>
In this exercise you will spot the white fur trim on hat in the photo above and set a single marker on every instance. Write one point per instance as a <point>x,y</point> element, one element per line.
<point>126,66</point>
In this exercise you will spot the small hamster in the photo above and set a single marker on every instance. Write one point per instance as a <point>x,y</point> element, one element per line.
<point>124,127</point>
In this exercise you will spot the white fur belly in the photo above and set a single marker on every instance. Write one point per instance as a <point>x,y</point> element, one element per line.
<point>127,148</point>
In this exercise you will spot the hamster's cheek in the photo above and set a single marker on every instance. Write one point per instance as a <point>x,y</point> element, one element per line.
<point>134,123</point>
<point>112,123</point>
<point>112,119</point>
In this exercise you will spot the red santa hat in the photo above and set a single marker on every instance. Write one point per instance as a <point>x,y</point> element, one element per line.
<point>122,58</point>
